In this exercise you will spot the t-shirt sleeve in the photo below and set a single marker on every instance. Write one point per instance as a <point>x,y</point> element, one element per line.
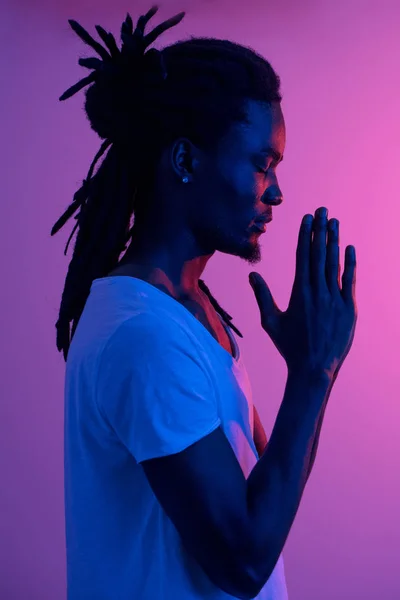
<point>154,389</point>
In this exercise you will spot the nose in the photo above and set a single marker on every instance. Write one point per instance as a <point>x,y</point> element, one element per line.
<point>273,196</point>
<point>275,201</point>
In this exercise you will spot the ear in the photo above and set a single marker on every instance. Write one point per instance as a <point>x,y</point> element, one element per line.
<point>184,158</point>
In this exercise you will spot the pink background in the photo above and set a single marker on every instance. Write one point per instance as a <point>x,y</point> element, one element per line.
<point>340,68</point>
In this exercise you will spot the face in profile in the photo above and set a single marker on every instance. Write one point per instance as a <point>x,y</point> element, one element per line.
<point>239,184</point>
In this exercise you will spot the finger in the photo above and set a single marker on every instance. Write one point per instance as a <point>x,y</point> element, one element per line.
<point>318,250</point>
<point>349,275</point>
<point>332,257</point>
<point>266,303</point>
<point>302,275</point>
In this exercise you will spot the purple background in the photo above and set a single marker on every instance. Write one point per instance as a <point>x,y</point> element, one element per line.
<point>340,68</point>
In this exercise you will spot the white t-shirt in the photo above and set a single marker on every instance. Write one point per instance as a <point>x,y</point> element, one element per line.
<point>144,379</point>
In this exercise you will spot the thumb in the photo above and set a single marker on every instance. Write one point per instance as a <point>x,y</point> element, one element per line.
<point>269,310</point>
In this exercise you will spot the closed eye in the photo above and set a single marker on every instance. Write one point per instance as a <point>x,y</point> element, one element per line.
<point>271,165</point>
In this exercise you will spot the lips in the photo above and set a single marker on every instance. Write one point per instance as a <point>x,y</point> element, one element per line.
<point>262,223</point>
<point>266,218</point>
<point>260,226</point>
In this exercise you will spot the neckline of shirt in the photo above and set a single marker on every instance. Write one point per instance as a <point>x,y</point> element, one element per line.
<point>236,358</point>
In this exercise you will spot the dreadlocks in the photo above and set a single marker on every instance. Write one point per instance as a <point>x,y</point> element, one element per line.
<point>138,102</point>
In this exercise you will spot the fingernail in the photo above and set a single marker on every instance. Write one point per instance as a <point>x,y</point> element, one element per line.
<point>308,219</point>
<point>323,213</point>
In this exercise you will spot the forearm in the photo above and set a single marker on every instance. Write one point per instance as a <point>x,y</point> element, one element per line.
<point>261,440</point>
<point>276,484</point>
<point>316,442</point>
<point>259,435</point>
<point>318,431</point>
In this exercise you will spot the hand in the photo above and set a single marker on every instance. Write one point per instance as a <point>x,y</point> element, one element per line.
<point>316,332</point>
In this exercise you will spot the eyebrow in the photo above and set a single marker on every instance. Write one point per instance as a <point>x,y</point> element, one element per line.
<point>275,155</point>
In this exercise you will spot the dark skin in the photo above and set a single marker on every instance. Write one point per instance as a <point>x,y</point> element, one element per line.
<point>227,189</point>
<point>259,435</point>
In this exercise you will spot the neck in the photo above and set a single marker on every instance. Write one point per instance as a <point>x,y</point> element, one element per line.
<point>175,263</point>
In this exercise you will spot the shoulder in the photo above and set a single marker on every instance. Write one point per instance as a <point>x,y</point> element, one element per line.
<point>148,337</point>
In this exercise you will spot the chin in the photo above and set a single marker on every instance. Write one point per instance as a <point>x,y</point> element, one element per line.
<point>248,250</point>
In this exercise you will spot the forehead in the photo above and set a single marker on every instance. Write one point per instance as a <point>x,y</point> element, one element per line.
<point>265,127</point>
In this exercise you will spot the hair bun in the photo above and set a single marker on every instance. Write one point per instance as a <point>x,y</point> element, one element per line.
<point>116,103</point>
<point>123,79</point>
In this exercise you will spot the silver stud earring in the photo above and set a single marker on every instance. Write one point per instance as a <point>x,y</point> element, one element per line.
<point>185,179</point>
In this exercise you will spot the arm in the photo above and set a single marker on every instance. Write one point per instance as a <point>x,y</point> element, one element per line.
<point>319,426</point>
<point>236,529</point>
<point>261,441</point>
<point>259,436</point>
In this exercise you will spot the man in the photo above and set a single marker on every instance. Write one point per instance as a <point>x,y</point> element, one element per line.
<point>165,495</point>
